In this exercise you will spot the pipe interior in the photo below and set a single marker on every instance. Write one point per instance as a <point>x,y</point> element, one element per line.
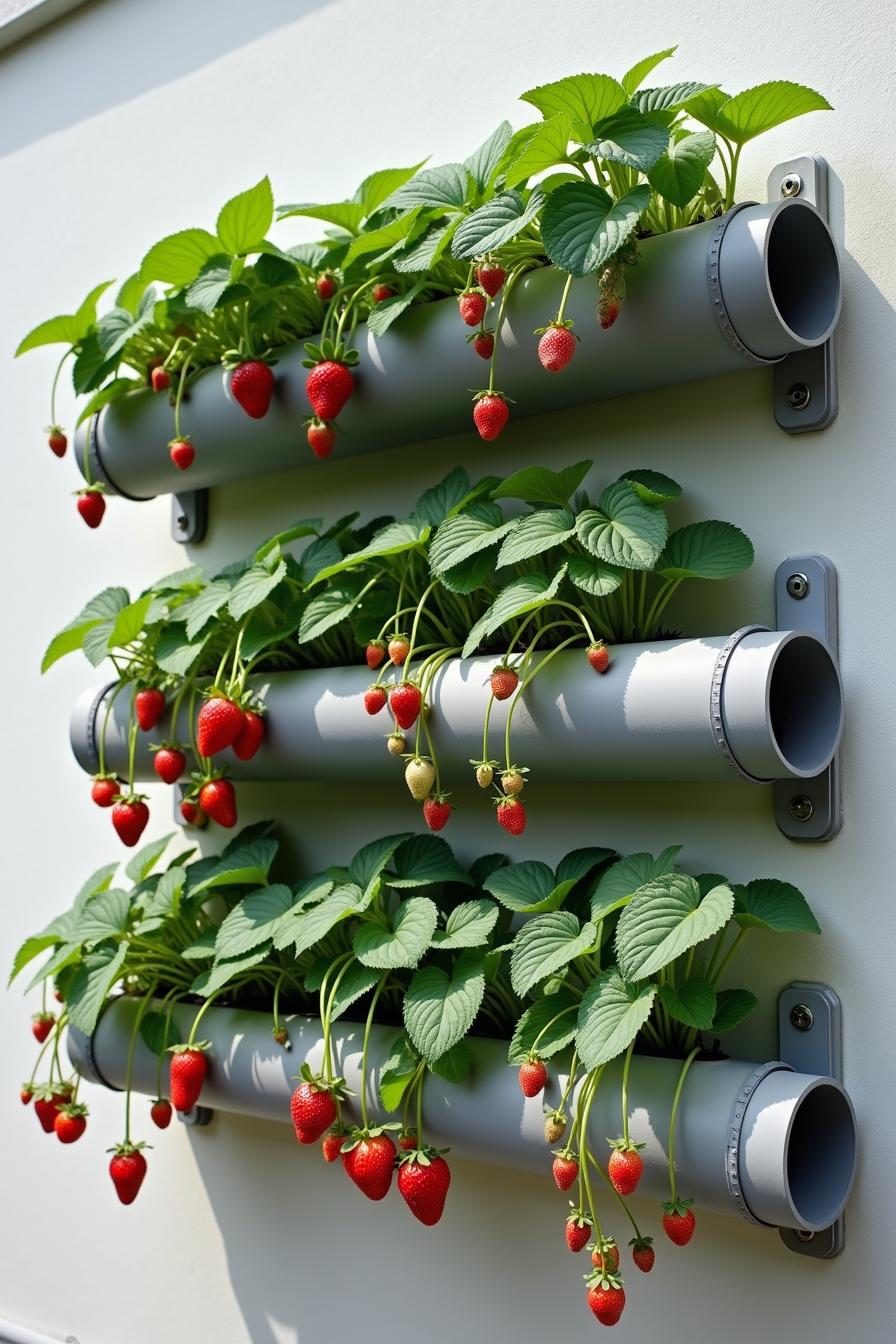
<point>803,273</point>
<point>805,705</point>
<point>821,1154</point>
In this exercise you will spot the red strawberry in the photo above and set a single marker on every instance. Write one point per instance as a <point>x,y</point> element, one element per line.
<point>369,1163</point>
<point>58,996</point>
<point>47,1104</point>
<point>187,1072</point>
<point>313,1111</point>
<point>399,648</point>
<point>105,790</point>
<point>27,1092</point>
<point>556,348</point>
<point>192,813</point>
<point>325,286</point>
<point>57,440</point>
<point>331,1146</point>
<point>41,1026</point>
<point>491,277</point>
<point>490,414</point>
<point>250,736</point>
<point>472,304</point>
<point>321,438</point>
<point>512,815</point>
<point>625,1167</point>
<point>129,818</point>
<point>127,1169</point>
<point>382,292</point>
<point>533,1076</point>
<point>182,452</point>
<point>70,1122</point>
<point>599,656</point>
<point>375,699</point>
<point>218,725</point>
<point>169,764</point>
<point>405,702</point>
<point>504,681</point>
<point>375,653</point>
<point>606,1298</point>
<point>578,1231</point>
<point>160,379</point>
<point>160,1113</point>
<point>643,1253</point>
<point>679,1221</point>
<point>218,801</point>
<point>423,1181</point>
<point>408,1142</point>
<point>606,1255</point>
<point>328,386</point>
<point>149,706</point>
<point>91,506</point>
<point>252,385</point>
<point>436,812</point>
<point>483,343</point>
<point>565,1169</point>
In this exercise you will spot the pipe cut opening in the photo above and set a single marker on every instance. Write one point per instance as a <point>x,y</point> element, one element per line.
<point>821,1155</point>
<point>805,706</point>
<point>803,273</point>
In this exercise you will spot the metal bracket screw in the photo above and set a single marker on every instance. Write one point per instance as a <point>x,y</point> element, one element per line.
<point>798,586</point>
<point>791,185</point>
<point>198,1116</point>
<point>802,808</point>
<point>799,396</point>
<point>802,1017</point>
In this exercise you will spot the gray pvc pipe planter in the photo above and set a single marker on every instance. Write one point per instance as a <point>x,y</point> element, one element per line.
<point>775,1146</point>
<point>762,704</point>
<point>735,293</point>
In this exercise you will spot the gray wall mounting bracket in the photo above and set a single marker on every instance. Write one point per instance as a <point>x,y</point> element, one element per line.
<point>805,383</point>
<point>189,516</point>
<point>810,1041</point>
<point>806,599</point>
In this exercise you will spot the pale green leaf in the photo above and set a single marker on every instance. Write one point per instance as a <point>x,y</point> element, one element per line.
<point>623,530</point>
<point>522,595</point>
<point>693,1003</point>
<point>768,903</point>
<point>468,925</point>
<point>547,1027</point>
<point>254,921</point>
<point>535,533</point>
<point>611,1014</point>
<point>582,226</point>
<point>402,945</point>
<point>546,147</point>
<point>540,485</point>
<point>666,918</point>
<point>544,945</point>
<point>586,98</point>
<point>91,985</point>
<point>178,259</point>
<point>678,175</point>
<point>439,1009</point>
<point>707,550</point>
<point>246,218</point>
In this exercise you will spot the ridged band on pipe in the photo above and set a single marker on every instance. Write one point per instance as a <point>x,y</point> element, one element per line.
<point>91,740</point>
<point>98,468</point>
<point>735,1126</point>
<point>720,312</point>
<point>716,720</point>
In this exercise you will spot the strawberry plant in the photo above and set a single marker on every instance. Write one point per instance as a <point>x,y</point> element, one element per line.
<point>605,164</point>
<point>596,960</point>
<point>466,571</point>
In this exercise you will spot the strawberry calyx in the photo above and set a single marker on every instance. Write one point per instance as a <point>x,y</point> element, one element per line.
<point>602,1278</point>
<point>129,799</point>
<point>358,1134</point>
<point>626,1146</point>
<point>479,333</point>
<point>73,1109</point>
<point>95,488</point>
<point>422,1157</point>
<point>185,1047</point>
<point>578,1216</point>
<point>677,1207</point>
<point>480,393</point>
<point>329,352</point>
<point>125,1149</point>
<point>337,1087</point>
<point>566,324</point>
<point>641,1243</point>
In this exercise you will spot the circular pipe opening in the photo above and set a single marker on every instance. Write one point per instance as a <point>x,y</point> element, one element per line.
<point>803,273</point>
<point>821,1155</point>
<point>805,706</point>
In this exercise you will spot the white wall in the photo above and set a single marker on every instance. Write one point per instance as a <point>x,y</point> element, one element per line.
<point>129,120</point>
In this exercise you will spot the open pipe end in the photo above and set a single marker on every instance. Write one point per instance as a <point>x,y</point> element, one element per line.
<point>780,278</point>
<point>797,1151</point>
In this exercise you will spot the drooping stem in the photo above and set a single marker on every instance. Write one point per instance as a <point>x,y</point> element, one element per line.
<point>562,309</point>
<point>132,1045</point>
<point>522,687</point>
<point>54,385</point>
<point>381,984</point>
<point>625,1069</point>
<point>674,1117</point>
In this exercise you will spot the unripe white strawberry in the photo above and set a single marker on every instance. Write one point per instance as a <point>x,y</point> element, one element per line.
<point>419,775</point>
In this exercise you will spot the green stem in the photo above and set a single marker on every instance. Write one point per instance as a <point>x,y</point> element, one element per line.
<point>144,1004</point>
<point>674,1117</point>
<point>522,687</point>
<point>625,1069</point>
<point>562,309</point>
<point>367,1027</point>
<point>717,972</point>
<point>54,386</point>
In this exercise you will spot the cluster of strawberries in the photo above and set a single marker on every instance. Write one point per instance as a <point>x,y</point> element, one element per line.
<point>405,701</point>
<point>59,1112</point>
<point>369,1154</point>
<point>625,1166</point>
<point>222,722</point>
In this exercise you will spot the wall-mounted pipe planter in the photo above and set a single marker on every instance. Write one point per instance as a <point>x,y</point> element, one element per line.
<point>761,704</point>
<point>774,1145</point>
<point>746,290</point>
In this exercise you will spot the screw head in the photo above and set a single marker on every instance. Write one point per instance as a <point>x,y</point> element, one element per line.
<point>791,185</point>
<point>803,1235</point>
<point>181,522</point>
<point>801,808</point>
<point>802,1017</point>
<point>798,396</point>
<point>797,586</point>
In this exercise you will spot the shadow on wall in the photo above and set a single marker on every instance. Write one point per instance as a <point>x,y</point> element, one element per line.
<point>114,30</point>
